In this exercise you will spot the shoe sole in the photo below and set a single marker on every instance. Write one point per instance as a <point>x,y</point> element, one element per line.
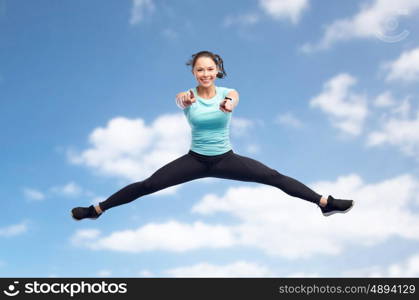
<point>339,211</point>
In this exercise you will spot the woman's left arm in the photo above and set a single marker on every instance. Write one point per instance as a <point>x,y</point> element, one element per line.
<point>235,96</point>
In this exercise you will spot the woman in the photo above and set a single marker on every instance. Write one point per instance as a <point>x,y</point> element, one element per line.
<point>208,110</point>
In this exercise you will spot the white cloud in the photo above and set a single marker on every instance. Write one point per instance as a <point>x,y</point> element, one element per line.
<point>145,273</point>
<point>33,194</point>
<point>13,230</point>
<point>83,236</point>
<point>235,269</point>
<point>403,110</point>
<point>346,109</point>
<point>402,132</point>
<point>240,126</point>
<point>377,19</point>
<point>284,9</point>
<point>104,273</point>
<point>288,119</point>
<point>405,68</point>
<point>139,9</point>
<point>392,107</point>
<point>281,225</point>
<point>304,232</point>
<point>129,149</point>
<point>407,268</point>
<point>385,99</point>
<point>70,189</point>
<point>170,236</point>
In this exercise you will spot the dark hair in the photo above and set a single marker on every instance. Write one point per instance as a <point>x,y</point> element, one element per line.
<point>215,57</point>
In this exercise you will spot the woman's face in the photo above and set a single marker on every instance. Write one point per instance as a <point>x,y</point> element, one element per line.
<point>205,71</point>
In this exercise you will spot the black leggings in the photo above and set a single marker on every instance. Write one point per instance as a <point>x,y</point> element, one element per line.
<point>193,165</point>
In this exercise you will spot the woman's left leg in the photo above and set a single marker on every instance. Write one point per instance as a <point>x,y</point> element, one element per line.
<point>243,168</point>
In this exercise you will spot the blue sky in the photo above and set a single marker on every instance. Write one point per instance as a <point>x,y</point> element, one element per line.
<point>328,95</point>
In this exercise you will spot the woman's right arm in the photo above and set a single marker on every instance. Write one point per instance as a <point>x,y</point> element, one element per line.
<point>185,99</point>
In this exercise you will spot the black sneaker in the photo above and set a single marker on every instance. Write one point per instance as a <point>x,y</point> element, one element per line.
<point>79,213</point>
<point>336,206</point>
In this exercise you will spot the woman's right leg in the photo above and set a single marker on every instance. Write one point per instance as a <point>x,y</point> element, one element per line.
<point>182,169</point>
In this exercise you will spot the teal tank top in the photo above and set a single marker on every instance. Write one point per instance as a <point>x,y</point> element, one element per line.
<point>210,126</point>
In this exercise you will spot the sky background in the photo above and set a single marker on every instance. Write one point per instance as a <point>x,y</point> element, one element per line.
<point>328,95</point>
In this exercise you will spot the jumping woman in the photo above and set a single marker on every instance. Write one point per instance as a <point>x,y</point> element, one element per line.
<point>208,109</point>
